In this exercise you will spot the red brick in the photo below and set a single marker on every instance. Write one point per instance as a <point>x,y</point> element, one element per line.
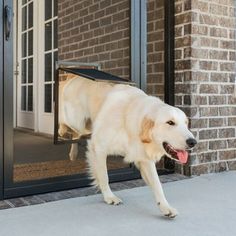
<point>209,88</point>
<point>208,134</point>
<point>227,155</point>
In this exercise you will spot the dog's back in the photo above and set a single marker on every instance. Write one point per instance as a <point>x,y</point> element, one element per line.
<point>80,100</point>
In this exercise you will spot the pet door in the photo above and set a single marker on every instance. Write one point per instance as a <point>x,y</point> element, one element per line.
<point>65,71</point>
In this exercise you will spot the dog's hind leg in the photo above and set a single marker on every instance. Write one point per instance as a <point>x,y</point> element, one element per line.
<point>73,151</point>
<point>150,176</point>
<point>98,172</point>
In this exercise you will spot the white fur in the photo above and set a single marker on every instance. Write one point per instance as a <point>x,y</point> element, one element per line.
<point>117,130</point>
<point>79,100</point>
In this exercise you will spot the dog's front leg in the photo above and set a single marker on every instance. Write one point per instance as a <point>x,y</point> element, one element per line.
<point>150,176</point>
<point>98,171</point>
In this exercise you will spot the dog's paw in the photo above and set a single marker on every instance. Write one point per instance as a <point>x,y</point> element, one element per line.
<point>168,211</point>
<point>113,200</point>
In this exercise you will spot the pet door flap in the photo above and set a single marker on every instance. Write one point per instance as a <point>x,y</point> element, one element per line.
<point>66,71</point>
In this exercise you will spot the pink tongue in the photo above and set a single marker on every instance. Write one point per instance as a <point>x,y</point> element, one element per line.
<point>183,156</point>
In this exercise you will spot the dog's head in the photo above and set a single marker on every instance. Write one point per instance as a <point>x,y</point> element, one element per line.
<point>166,128</point>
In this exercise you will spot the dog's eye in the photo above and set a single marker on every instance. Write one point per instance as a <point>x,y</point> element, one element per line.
<point>170,122</point>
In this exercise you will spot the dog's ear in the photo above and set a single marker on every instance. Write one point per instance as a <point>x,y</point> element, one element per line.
<point>146,126</point>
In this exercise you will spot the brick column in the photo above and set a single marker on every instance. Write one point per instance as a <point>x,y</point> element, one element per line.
<point>205,80</point>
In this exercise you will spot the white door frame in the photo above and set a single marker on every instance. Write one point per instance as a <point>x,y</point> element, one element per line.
<point>45,119</point>
<point>37,120</point>
<point>24,118</point>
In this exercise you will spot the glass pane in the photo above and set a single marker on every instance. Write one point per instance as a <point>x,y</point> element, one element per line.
<point>48,9</point>
<point>48,36</point>
<point>31,15</point>
<point>48,98</point>
<point>55,34</point>
<point>30,43</point>
<point>48,67</point>
<point>30,70</point>
<point>55,7</point>
<point>35,155</point>
<point>24,18</point>
<point>23,71</point>
<point>23,98</point>
<point>55,57</point>
<point>30,98</point>
<point>24,45</point>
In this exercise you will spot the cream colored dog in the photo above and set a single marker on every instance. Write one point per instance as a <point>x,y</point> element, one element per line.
<point>128,122</point>
<point>79,102</point>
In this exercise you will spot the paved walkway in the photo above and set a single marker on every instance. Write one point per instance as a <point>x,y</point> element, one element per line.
<point>207,207</point>
<point>79,192</point>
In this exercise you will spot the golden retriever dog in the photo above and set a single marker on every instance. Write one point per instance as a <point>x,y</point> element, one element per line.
<point>128,122</point>
<point>80,100</point>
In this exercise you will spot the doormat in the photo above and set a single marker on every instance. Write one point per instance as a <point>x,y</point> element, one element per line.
<point>43,170</point>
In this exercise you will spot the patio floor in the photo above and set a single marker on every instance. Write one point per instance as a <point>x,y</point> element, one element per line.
<point>206,205</point>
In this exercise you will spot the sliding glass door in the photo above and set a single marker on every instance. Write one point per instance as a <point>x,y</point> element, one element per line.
<point>37,38</point>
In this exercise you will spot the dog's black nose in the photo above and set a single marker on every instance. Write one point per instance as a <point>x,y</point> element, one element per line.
<point>191,142</point>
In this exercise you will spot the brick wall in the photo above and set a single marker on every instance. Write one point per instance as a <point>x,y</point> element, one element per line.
<point>205,77</point>
<point>96,31</point>
<point>155,48</point>
<point>99,31</point>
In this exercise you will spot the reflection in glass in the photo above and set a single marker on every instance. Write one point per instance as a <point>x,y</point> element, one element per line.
<point>23,71</point>
<point>55,34</point>
<point>23,98</point>
<point>48,36</point>
<point>55,7</point>
<point>55,57</point>
<point>30,43</point>
<point>48,9</point>
<point>30,70</point>
<point>48,67</point>
<point>48,98</point>
<point>31,14</point>
<point>24,45</point>
<point>24,18</point>
<point>30,98</point>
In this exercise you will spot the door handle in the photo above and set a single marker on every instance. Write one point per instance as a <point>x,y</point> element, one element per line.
<point>8,21</point>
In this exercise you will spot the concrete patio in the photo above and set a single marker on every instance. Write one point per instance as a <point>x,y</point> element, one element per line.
<point>206,205</point>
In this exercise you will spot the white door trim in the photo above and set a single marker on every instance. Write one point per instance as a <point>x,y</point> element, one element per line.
<point>45,119</point>
<point>24,118</point>
<point>38,120</point>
